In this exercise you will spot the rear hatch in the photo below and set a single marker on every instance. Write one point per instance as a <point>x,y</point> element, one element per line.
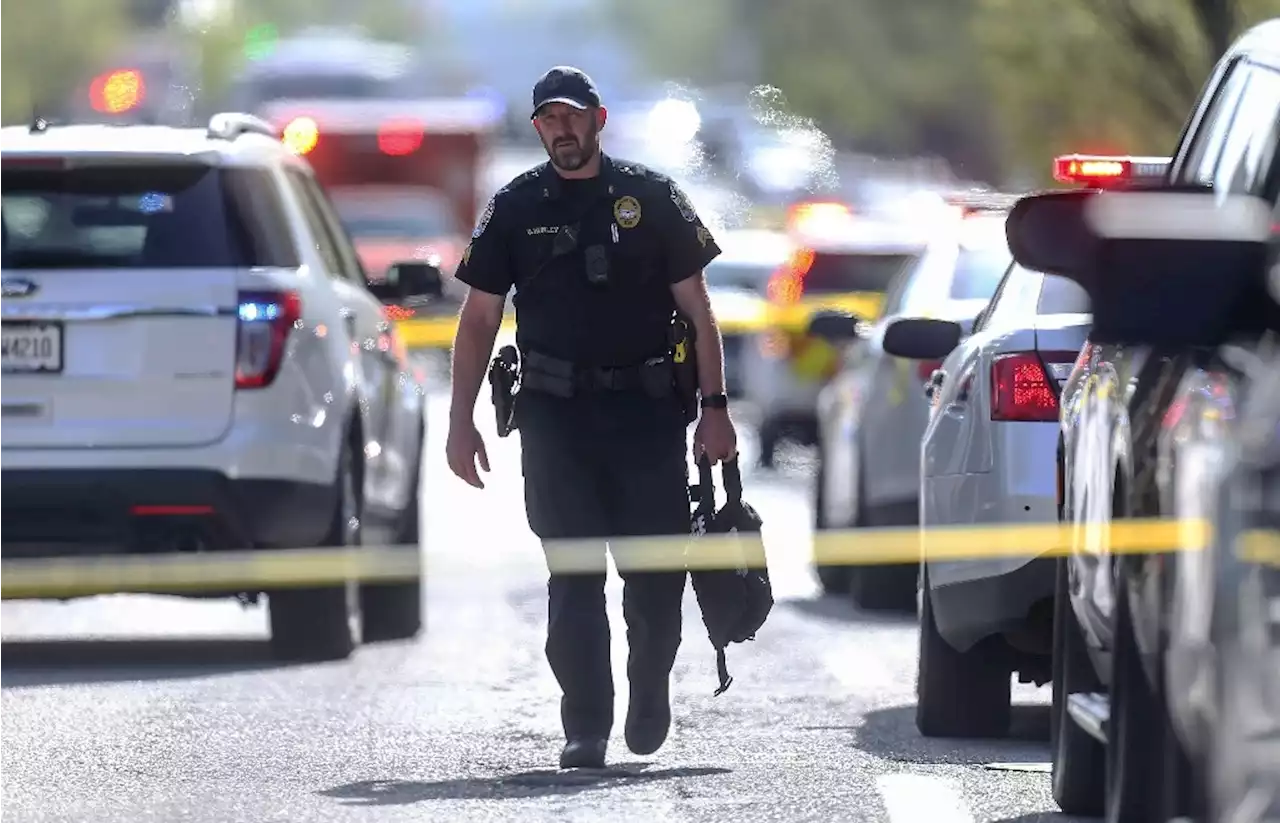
<point>120,310</point>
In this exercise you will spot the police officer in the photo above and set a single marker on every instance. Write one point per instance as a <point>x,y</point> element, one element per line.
<point>601,253</point>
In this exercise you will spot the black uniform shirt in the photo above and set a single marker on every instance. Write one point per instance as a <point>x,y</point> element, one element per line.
<point>650,235</point>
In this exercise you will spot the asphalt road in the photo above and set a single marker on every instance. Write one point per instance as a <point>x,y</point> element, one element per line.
<point>136,709</point>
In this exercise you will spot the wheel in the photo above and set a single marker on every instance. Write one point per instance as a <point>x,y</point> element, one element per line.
<point>1133,764</point>
<point>769,436</point>
<point>393,611</point>
<point>1079,760</point>
<point>323,623</point>
<point>960,694</point>
<point>888,587</point>
<point>834,579</point>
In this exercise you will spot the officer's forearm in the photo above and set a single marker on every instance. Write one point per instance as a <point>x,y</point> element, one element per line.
<point>472,347</point>
<point>709,349</point>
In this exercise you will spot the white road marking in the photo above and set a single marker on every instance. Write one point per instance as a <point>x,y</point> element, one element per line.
<point>915,798</point>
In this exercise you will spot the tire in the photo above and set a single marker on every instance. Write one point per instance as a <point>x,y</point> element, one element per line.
<point>1133,763</point>
<point>393,611</point>
<point>1079,760</point>
<point>883,588</point>
<point>961,694</point>
<point>833,579</point>
<point>323,623</point>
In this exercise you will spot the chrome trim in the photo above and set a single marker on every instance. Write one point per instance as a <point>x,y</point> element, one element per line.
<point>116,312</point>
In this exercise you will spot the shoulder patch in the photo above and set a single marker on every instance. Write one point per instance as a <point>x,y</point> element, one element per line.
<point>485,217</point>
<point>682,202</point>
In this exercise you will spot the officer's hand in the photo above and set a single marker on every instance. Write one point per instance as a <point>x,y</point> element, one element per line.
<point>715,436</point>
<point>464,448</point>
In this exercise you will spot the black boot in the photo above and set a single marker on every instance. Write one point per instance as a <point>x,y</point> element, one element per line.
<point>648,713</point>
<point>584,753</point>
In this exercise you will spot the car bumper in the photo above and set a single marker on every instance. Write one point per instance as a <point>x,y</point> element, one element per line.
<point>76,512</point>
<point>972,610</point>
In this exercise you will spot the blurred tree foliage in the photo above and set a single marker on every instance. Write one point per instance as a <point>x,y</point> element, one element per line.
<point>994,86</point>
<point>51,46</point>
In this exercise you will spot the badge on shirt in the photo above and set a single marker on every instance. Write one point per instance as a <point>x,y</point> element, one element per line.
<point>626,210</point>
<point>704,235</point>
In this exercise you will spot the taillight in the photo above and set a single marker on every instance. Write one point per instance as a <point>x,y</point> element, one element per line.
<point>1021,389</point>
<point>398,138</point>
<point>265,320</point>
<point>787,283</point>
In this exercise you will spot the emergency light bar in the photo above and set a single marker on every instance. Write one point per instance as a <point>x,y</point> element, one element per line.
<point>1100,170</point>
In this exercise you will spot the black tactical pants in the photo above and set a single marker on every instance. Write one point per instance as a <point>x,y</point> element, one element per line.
<point>594,466</point>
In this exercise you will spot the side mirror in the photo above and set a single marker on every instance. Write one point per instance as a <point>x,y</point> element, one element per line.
<point>409,281</point>
<point>1165,267</point>
<point>834,326</point>
<point>920,338</point>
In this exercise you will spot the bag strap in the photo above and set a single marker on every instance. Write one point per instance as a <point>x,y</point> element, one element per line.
<point>732,478</point>
<point>722,670</point>
<point>706,483</point>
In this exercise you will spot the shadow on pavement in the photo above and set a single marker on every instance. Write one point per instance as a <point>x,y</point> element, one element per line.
<point>892,733</point>
<point>29,663</point>
<point>538,783</point>
<point>1044,817</point>
<point>841,609</point>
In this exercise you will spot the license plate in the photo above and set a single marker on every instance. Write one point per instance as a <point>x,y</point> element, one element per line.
<point>32,347</point>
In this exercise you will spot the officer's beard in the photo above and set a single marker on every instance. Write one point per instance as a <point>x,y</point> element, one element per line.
<point>567,154</point>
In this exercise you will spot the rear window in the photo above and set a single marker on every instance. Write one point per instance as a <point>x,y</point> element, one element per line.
<point>738,275</point>
<point>142,216</point>
<point>834,272</point>
<point>978,272</point>
<point>264,89</point>
<point>1058,295</point>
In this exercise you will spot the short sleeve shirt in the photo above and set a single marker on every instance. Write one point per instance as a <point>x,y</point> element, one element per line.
<point>547,237</point>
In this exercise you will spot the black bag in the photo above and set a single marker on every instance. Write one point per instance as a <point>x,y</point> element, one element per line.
<point>735,599</point>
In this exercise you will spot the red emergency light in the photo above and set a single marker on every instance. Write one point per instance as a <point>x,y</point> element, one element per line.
<point>1103,171</point>
<point>117,92</point>
<point>400,137</point>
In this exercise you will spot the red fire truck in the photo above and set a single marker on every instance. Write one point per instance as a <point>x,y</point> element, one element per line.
<point>405,175</point>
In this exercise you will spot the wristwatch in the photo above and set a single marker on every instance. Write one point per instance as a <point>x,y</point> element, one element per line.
<point>715,401</point>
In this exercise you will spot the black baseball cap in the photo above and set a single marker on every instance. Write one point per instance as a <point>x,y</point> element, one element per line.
<point>565,84</point>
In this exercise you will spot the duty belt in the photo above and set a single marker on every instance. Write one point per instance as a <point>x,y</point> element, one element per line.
<point>563,378</point>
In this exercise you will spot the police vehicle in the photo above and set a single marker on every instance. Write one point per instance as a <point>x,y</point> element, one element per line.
<point>987,457</point>
<point>194,361</point>
<point>1153,398</point>
<point>872,412</point>
<point>837,262</point>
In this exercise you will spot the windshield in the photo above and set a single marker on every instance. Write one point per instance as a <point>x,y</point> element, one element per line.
<point>262,89</point>
<point>978,272</point>
<point>395,217</point>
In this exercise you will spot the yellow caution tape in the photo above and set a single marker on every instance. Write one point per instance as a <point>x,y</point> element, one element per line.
<point>265,570</point>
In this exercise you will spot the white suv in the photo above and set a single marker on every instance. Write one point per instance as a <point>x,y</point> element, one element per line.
<point>193,361</point>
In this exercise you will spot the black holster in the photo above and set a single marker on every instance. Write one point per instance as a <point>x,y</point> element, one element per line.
<point>504,374</point>
<point>684,359</point>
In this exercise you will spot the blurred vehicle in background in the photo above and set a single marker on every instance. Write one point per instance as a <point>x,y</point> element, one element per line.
<point>872,414</point>
<point>405,174</point>
<point>736,282</point>
<point>323,64</point>
<point>988,457</point>
<point>837,262</point>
